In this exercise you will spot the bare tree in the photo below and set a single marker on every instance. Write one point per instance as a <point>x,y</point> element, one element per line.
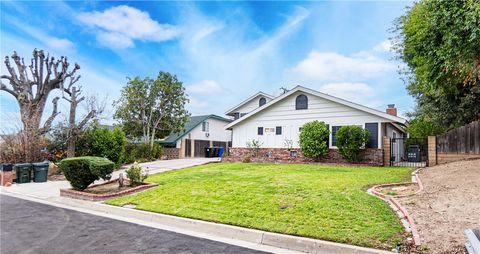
<point>94,108</point>
<point>31,85</point>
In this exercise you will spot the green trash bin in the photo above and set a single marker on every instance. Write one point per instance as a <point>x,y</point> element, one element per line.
<point>23,172</point>
<point>40,172</point>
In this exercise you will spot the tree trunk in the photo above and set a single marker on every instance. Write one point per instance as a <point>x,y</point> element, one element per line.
<point>72,128</point>
<point>31,115</point>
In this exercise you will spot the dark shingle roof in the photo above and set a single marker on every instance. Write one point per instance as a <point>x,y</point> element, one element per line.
<point>193,122</point>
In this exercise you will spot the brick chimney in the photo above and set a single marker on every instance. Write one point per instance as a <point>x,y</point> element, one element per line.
<point>392,110</point>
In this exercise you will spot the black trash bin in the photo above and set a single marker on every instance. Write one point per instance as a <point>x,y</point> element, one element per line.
<point>7,167</point>
<point>413,153</point>
<point>214,152</point>
<point>208,152</point>
<point>23,172</point>
<point>40,172</point>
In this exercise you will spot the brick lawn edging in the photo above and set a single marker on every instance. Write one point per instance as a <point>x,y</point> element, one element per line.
<point>402,213</point>
<point>71,193</point>
<point>370,156</point>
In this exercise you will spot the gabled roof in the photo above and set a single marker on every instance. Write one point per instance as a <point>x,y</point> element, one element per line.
<point>232,110</point>
<point>324,96</point>
<point>193,122</point>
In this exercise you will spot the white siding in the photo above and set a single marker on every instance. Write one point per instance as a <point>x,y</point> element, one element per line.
<point>283,114</point>
<point>216,132</point>
<point>251,105</point>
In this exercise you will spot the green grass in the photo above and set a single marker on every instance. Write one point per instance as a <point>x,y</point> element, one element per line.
<point>323,202</point>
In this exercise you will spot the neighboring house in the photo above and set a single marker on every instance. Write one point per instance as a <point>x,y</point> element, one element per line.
<point>198,133</point>
<point>279,121</point>
<point>257,100</point>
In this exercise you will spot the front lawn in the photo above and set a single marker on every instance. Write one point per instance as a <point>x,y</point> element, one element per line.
<point>323,202</point>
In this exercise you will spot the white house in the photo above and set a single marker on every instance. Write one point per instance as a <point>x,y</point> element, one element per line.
<point>278,121</point>
<point>199,132</point>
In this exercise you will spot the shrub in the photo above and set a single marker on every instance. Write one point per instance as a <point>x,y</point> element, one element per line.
<point>247,158</point>
<point>83,171</point>
<point>314,139</point>
<point>103,142</point>
<point>255,145</point>
<point>350,139</point>
<point>142,152</point>
<point>134,173</point>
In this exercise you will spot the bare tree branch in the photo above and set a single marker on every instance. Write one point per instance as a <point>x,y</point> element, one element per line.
<point>48,123</point>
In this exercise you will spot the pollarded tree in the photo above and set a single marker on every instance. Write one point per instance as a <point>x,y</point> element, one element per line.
<point>31,85</point>
<point>94,108</point>
<point>152,106</point>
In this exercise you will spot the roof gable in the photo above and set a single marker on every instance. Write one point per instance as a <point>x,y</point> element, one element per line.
<point>232,110</point>
<point>193,122</point>
<point>324,96</point>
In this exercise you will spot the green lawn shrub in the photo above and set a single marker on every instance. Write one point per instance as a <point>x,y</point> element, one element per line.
<point>83,171</point>
<point>350,139</point>
<point>103,142</point>
<point>314,139</point>
<point>142,152</point>
<point>135,174</point>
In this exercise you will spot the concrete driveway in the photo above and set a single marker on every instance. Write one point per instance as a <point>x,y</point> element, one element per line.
<point>31,227</point>
<point>160,166</point>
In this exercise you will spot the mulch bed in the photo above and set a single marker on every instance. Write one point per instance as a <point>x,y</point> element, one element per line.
<point>106,190</point>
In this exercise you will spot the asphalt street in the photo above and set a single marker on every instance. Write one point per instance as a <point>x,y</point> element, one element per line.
<point>30,227</point>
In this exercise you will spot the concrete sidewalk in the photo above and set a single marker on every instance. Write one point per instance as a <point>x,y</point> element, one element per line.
<point>51,189</point>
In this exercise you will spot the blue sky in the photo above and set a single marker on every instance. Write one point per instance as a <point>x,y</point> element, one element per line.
<point>222,51</point>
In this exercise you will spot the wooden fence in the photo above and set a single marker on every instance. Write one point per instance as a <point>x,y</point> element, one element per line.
<point>458,144</point>
<point>465,139</point>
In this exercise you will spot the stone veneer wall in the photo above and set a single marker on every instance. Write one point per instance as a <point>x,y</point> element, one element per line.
<point>370,156</point>
<point>171,153</point>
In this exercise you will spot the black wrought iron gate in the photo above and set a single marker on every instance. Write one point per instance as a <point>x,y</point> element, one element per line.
<point>408,152</point>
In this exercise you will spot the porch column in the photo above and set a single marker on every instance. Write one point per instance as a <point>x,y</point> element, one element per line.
<point>183,143</point>
<point>386,151</point>
<point>192,148</point>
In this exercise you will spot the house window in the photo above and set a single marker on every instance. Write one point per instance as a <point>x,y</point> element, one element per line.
<point>334,133</point>
<point>373,138</point>
<point>260,130</point>
<point>236,115</point>
<point>268,130</point>
<point>278,130</point>
<point>301,102</point>
<point>262,102</point>
<point>205,127</point>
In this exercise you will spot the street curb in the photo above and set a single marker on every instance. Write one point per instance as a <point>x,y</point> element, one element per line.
<point>295,243</point>
<point>253,236</point>
<point>405,217</point>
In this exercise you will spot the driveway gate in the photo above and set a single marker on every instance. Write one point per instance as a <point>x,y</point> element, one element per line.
<point>408,152</point>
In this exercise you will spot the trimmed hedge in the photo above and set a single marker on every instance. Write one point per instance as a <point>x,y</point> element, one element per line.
<point>350,139</point>
<point>83,171</point>
<point>314,139</point>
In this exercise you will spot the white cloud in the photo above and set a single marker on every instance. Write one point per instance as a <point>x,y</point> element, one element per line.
<point>196,103</point>
<point>40,35</point>
<point>204,87</point>
<point>334,66</point>
<point>350,91</point>
<point>119,26</point>
<point>384,46</point>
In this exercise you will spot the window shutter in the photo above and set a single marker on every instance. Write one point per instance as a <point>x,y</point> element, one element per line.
<point>334,132</point>
<point>278,130</point>
<point>260,130</point>
<point>373,139</point>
